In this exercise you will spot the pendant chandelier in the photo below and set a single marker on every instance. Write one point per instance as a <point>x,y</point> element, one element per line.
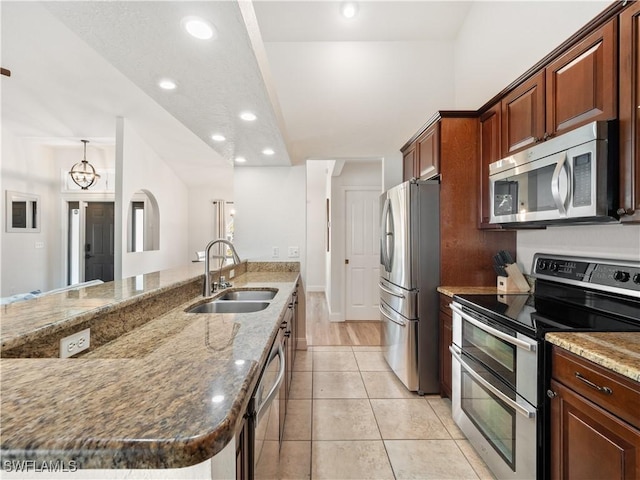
<point>83,173</point>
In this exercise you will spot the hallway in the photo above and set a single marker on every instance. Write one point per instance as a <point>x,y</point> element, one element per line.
<point>349,417</point>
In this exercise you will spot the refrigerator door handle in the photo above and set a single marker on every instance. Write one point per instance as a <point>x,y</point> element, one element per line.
<point>387,236</point>
<point>390,292</point>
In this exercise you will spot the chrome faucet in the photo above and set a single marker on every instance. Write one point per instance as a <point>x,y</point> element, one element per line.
<point>207,290</point>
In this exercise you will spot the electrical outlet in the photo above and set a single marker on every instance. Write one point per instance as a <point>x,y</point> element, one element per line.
<point>75,343</point>
<point>294,252</point>
<point>39,245</point>
<point>276,252</point>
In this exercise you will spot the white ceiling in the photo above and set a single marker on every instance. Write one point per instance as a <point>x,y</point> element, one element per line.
<point>321,86</point>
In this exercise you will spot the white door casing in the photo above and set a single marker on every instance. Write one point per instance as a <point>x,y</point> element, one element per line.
<point>362,250</point>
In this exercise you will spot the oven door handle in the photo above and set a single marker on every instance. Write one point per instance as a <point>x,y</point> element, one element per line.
<point>497,333</point>
<point>521,409</point>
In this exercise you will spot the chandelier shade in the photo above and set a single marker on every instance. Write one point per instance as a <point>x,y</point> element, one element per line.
<point>82,173</point>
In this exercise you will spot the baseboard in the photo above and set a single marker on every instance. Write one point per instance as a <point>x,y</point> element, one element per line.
<point>314,288</point>
<point>336,317</point>
<point>302,344</point>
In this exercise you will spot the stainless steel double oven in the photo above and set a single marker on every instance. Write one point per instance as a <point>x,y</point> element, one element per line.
<point>494,391</point>
<point>502,364</point>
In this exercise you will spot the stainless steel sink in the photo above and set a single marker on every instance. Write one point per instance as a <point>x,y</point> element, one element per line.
<point>248,295</point>
<point>229,306</point>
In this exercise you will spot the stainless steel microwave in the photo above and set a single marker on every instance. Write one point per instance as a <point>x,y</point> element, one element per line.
<point>572,178</point>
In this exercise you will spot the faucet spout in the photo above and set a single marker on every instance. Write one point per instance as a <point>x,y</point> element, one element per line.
<point>207,290</point>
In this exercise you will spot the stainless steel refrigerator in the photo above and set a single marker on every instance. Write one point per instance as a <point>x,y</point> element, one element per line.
<point>410,274</point>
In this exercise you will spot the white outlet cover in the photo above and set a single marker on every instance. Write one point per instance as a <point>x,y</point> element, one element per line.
<point>75,343</point>
<point>294,252</point>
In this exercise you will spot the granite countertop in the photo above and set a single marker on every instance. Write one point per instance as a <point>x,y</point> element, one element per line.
<point>167,394</point>
<point>451,291</point>
<point>617,351</point>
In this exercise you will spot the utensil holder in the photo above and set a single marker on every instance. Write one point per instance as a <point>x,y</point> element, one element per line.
<point>514,282</point>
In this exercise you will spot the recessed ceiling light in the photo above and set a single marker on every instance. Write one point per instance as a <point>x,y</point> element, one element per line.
<point>349,9</point>
<point>248,116</point>
<point>167,84</point>
<point>240,159</point>
<point>198,28</point>
<point>216,137</point>
<point>268,151</point>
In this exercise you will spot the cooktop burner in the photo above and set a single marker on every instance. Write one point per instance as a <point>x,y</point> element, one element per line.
<point>571,294</point>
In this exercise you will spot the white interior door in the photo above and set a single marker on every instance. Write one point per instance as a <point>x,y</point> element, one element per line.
<point>362,254</point>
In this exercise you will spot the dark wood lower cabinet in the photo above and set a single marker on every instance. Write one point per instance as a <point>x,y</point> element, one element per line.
<point>242,451</point>
<point>589,442</point>
<point>594,431</point>
<point>446,336</point>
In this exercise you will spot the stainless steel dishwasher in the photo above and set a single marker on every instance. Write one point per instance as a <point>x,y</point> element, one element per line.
<point>265,413</point>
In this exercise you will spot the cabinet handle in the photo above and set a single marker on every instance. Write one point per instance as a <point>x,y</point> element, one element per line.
<point>605,390</point>
<point>551,394</point>
<point>547,136</point>
<point>537,139</point>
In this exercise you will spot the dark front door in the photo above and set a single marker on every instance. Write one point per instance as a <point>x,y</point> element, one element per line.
<point>99,236</point>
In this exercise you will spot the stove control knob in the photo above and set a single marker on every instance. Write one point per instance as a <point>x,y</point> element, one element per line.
<point>636,278</point>
<point>542,264</point>
<point>553,266</point>
<point>621,276</point>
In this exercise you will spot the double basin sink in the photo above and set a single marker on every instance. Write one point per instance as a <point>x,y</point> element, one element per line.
<point>237,301</point>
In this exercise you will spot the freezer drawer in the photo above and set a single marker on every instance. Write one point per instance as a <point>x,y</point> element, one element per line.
<point>399,341</point>
<point>400,300</point>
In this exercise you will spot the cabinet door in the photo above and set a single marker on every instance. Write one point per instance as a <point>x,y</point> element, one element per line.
<point>489,153</point>
<point>409,163</point>
<point>429,152</point>
<point>630,113</point>
<point>581,85</point>
<point>523,115</point>
<point>446,337</point>
<point>589,442</point>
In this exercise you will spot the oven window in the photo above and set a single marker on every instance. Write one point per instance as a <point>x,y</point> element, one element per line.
<point>493,352</point>
<point>495,420</point>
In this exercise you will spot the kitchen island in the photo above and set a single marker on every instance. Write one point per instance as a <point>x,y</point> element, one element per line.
<point>169,393</point>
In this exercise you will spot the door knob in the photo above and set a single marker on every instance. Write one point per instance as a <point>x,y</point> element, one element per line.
<point>346,261</point>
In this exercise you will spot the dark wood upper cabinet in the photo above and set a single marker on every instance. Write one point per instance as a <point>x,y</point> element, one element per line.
<point>578,87</point>
<point>489,152</point>
<point>523,115</point>
<point>581,84</point>
<point>409,162</point>
<point>629,117</point>
<point>429,152</point>
<point>421,158</point>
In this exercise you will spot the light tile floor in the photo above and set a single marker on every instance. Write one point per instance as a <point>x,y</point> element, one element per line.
<point>349,417</point>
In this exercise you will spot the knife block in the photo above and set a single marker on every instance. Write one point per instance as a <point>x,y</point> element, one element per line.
<point>514,282</point>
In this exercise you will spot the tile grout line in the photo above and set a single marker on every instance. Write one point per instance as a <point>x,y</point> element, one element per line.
<point>375,418</point>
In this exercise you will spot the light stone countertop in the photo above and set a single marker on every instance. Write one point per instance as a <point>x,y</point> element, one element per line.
<point>168,394</point>
<point>617,351</point>
<point>451,291</point>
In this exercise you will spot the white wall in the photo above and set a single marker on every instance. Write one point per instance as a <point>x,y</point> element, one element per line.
<point>391,170</point>
<point>498,42</point>
<point>26,168</point>
<point>270,212</point>
<point>201,208</point>
<point>317,172</point>
<point>142,168</point>
<point>29,166</point>
<point>354,174</point>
